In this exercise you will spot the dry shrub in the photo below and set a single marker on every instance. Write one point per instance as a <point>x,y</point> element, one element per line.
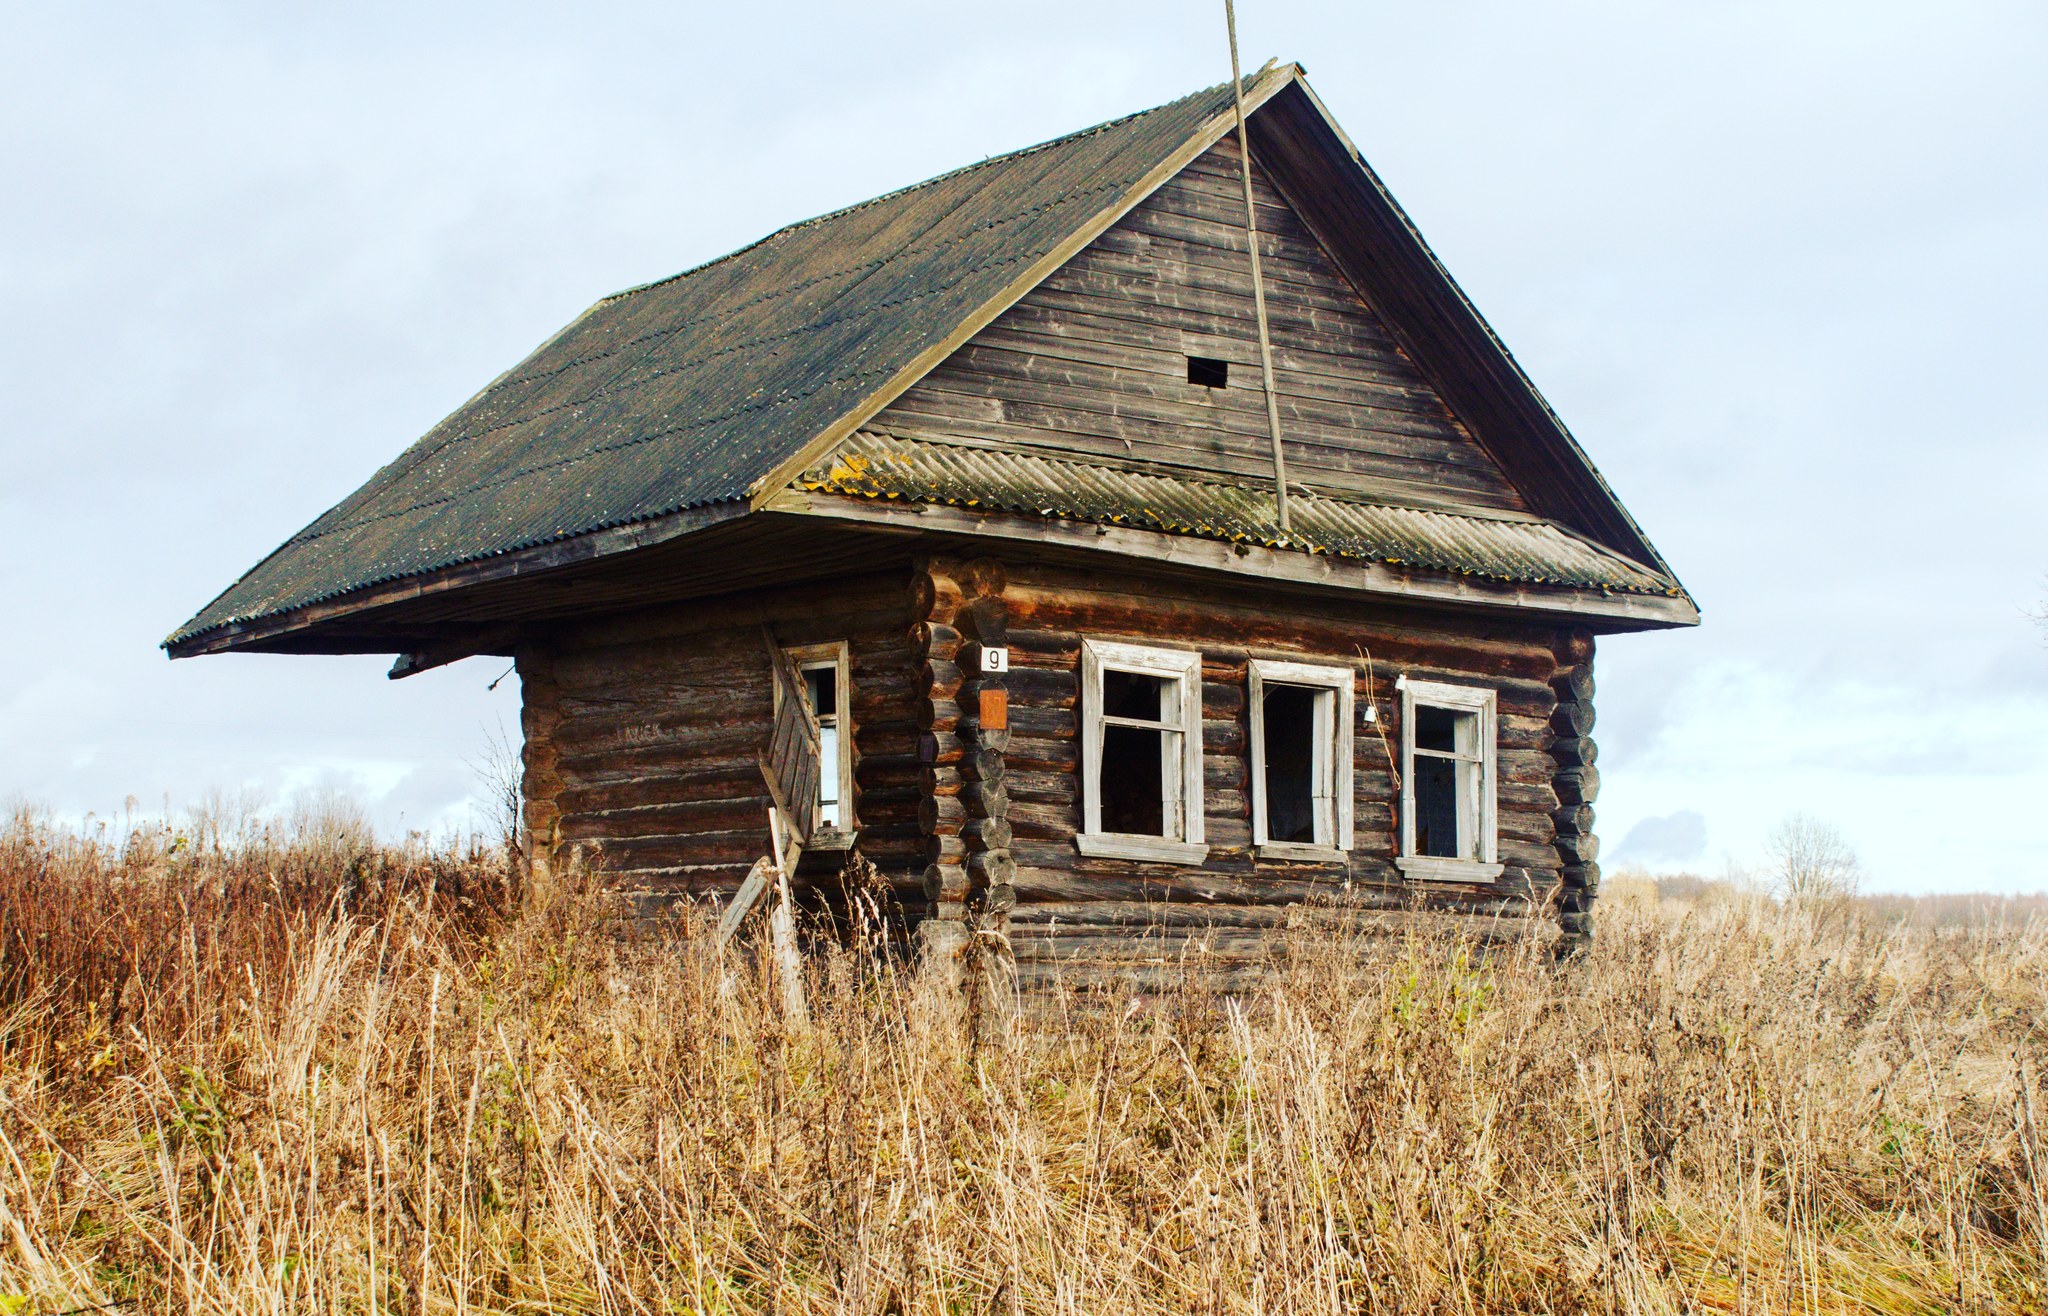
<point>405,1105</point>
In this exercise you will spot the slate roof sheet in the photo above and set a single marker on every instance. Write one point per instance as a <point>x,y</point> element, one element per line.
<point>685,392</point>
<point>880,466</point>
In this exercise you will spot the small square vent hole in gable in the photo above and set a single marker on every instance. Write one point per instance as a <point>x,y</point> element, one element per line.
<point>1208,372</point>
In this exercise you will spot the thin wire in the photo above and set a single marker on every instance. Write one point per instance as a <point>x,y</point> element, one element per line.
<point>1251,224</point>
<point>501,676</point>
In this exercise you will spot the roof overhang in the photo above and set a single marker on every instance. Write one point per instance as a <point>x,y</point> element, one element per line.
<point>1296,571</point>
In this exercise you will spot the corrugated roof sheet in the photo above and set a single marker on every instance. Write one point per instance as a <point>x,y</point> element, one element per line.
<point>874,465</point>
<point>685,392</point>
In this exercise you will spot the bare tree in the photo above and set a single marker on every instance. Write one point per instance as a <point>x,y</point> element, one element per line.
<point>1811,862</point>
<point>500,772</point>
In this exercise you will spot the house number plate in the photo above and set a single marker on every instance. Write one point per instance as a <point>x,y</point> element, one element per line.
<point>995,660</point>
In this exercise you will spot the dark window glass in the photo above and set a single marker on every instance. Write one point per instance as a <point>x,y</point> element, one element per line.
<point>1133,790</point>
<point>1437,729</point>
<point>824,687</point>
<point>1208,371</point>
<point>1290,720</point>
<point>1436,803</point>
<point>1127,694</point>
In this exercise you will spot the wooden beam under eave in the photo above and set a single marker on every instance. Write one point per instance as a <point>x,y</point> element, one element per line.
<point>1596,610</point>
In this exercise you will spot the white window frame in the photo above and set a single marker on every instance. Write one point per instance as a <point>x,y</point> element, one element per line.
<point>1462,698</point>
<point>1331,786</point>
<point>1182,775</point>
<point>810,657</point>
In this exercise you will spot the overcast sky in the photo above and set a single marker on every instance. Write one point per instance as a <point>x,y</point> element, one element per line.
<point>1780,266</point>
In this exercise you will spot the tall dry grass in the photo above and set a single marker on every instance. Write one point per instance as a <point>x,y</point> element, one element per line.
<point>265,1080</point>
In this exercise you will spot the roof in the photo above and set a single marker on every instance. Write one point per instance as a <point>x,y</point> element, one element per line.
<point>687,391</point>
<point>1517,550</point>
<point>706,393</point>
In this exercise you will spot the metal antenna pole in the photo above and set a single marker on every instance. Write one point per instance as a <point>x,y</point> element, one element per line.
<point>1251,225</point>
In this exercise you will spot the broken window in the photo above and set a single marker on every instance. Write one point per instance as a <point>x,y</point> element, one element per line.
<point>1141,746</point>
<point>823,668</point>
<point>1447,741</point>
<point>1301,759</point>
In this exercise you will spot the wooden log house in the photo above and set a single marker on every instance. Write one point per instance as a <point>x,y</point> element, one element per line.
<point>951,521</point>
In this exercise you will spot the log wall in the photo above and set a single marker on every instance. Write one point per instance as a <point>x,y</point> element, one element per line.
<point>1068,905</point>
<point>642,731</point>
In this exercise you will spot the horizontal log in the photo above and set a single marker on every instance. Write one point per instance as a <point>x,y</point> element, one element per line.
<point>934,641</point>
<point>1578,786</point>
<point>941,814</point>
<point>1573,819</point>
<point>945,882</point>
<point>987,833</point>
<point>989,868</point>
<point>984,765</point>
<point>1581,877</point>
<point>1572,720</point>
<point>1575,751</point>
<point>1580,849</point>
<point>1574,685</point>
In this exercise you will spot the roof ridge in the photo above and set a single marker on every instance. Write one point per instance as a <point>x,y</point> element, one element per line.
<point>935,179</point>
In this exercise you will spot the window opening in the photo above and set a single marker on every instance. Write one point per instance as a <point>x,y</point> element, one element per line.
<point>1208,371</point>
<point>1137,746</point>
<point>1290,747</point>
<point>1448,743</point>
<point>1141,753</point>
<point>1300,751</point>
<point>821,684</point>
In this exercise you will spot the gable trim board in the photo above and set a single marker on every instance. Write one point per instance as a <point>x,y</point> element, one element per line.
<point>517,451</point>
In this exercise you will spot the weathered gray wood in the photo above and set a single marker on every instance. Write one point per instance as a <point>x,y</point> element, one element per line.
<point>1087,362</point>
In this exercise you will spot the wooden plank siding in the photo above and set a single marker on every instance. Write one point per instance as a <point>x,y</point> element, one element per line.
<point>643,732</point>
<point>1094,361</point>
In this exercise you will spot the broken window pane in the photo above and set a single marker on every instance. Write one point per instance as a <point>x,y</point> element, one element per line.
<point>1447,780</point>
<point>1130,694</point>
<point>1436,808</point>
<point>1437,729</point>
<point>1133,776</point>
<point>823,683</point>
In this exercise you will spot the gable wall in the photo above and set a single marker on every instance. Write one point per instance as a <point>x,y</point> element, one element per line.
<point>1094,361</point>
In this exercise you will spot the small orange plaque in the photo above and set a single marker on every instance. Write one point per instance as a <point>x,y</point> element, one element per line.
<point>995,710</point>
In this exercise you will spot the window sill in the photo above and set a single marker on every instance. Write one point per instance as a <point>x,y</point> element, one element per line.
<point>1468,871</point>
<point>1299,853</point>
<point>1150,849</point>
<point>831,838</point>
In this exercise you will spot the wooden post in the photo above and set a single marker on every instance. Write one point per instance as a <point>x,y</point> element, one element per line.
<point>789,961</point>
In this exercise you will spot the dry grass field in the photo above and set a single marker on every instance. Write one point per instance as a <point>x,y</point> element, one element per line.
<point>295,1074</point>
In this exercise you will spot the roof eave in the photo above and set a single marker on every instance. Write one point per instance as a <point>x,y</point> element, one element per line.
<point>1594,609</point>
<point>265,632</point>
